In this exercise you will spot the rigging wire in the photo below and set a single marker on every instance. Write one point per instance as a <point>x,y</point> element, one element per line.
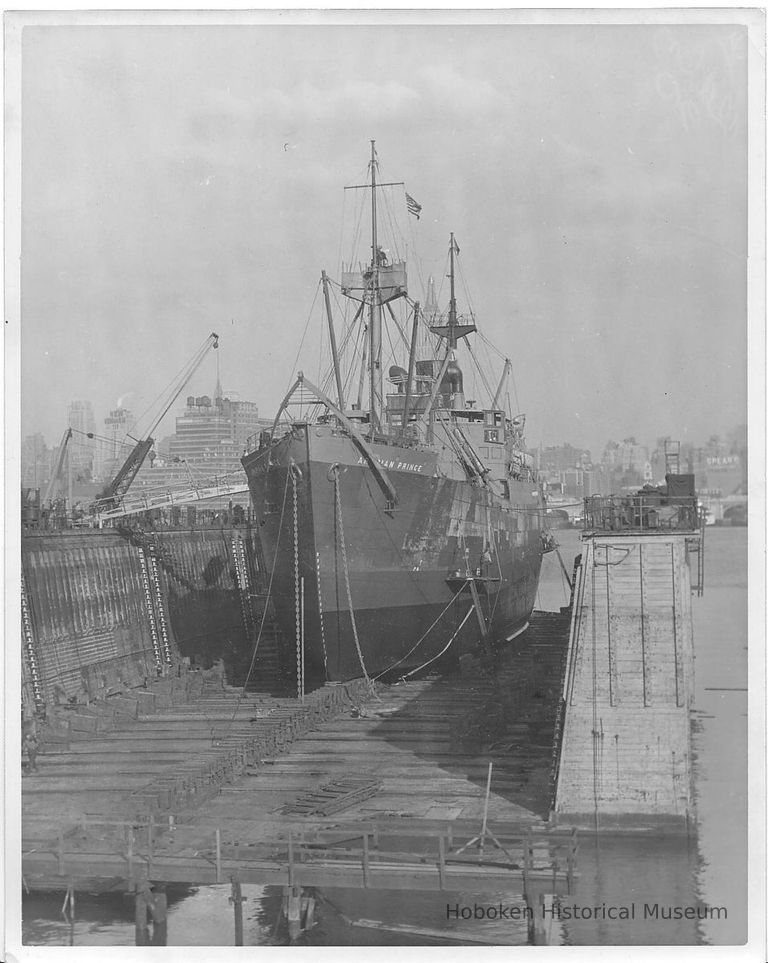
<point>425,634</point>
<point>480,370</point>
<point>92,436</point>
<point>465,288</point>
<point>173,387</point>
<point>266,601</point>
<point>304,335</point>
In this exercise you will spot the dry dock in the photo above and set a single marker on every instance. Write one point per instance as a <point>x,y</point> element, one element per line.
<point>214,789</point>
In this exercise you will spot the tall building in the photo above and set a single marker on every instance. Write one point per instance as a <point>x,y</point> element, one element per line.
<point>211,434</point>
<point>210,438</point>
<point>35,461</point>
<point>113,448</point>
<point>81,449</point>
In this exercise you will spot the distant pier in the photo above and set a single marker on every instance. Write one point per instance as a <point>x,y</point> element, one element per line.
<point>624,753</point>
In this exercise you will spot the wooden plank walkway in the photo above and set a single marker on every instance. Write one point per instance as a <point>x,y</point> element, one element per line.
<point>429,742</point>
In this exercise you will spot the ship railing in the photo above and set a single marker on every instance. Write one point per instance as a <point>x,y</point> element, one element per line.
<point>641,513</point>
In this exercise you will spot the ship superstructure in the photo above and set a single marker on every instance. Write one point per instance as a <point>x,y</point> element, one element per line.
<point>401,523</point>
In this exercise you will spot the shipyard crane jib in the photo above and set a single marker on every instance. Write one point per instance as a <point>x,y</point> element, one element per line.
<point>147,503</point>
<point>114,492</point>
<point>53,485</point>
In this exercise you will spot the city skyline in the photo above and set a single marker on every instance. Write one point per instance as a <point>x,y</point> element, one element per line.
<point>183,180</point>
<point>734,438</point>
<point>176,411</point>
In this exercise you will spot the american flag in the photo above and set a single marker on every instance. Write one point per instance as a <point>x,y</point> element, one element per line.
<point>413,206</point>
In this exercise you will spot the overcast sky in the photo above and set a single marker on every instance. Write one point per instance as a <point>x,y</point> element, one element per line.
<point>179,180</point>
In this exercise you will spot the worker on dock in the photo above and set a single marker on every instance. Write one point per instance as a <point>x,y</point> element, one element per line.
<point>30,746</point>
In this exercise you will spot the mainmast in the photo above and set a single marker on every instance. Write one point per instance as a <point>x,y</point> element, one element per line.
<point>375,285</point>
<point>377,386</point>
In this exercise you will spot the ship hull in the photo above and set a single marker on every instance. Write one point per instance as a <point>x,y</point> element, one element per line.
<point>416,572</point>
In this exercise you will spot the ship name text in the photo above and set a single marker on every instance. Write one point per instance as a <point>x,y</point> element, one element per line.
<point>394,464</point>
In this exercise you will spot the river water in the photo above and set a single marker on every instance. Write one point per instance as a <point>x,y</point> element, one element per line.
<point>709,867</point>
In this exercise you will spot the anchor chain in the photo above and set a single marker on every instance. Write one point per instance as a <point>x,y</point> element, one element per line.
<point>29,649</point>
<point>150,608</point>
<point>320,609</point>
<point>164,637</point>
<point>297,587</point>
<point>241,576</point>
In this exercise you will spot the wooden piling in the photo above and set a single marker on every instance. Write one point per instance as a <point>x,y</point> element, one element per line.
<point>366,861</point>
<point>441,861</point>
<point>237,900</point>
<point>293,913</point>
<point>534,902</point>
<point>160,917</point>
<point>142,928</point>
<point>309,914</point>
<point>150,842</point>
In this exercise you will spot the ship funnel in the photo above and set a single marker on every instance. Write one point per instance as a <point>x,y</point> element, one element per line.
<point>452,387</point>
<point>398,376</point>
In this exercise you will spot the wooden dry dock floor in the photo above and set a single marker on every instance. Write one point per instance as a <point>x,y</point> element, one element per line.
<point>428,743</point>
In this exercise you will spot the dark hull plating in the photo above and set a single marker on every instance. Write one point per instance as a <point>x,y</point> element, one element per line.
<point>406,567</point>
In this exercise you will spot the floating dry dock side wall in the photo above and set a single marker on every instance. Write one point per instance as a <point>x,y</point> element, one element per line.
<point>103,610</point>
<point>625,756</point>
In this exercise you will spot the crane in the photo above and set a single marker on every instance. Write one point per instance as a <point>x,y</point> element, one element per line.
<point>52,488</point>
<point>113,493</point>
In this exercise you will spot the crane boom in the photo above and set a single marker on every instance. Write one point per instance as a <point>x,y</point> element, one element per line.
<point>53,484</point>
<point>114,492</point>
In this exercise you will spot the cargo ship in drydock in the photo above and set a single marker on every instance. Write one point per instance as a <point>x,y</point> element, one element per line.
<point>402,526</point>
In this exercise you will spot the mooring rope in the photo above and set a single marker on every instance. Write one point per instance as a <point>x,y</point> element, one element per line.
<point>418,643</point>
<point>445,649</point>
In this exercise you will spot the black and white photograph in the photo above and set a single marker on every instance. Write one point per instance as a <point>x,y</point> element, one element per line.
<point>384,395</point>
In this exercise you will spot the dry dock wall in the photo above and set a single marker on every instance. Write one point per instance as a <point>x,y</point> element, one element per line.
<point>625,754</point>
<point>103,610</point>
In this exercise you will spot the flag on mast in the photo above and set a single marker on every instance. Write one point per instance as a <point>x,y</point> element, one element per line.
<point>413,206</point>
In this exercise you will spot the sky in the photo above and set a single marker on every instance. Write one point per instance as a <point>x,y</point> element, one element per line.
<point>185,179</point>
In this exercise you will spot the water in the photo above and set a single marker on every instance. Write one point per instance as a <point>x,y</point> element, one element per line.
<point>710,867</point>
